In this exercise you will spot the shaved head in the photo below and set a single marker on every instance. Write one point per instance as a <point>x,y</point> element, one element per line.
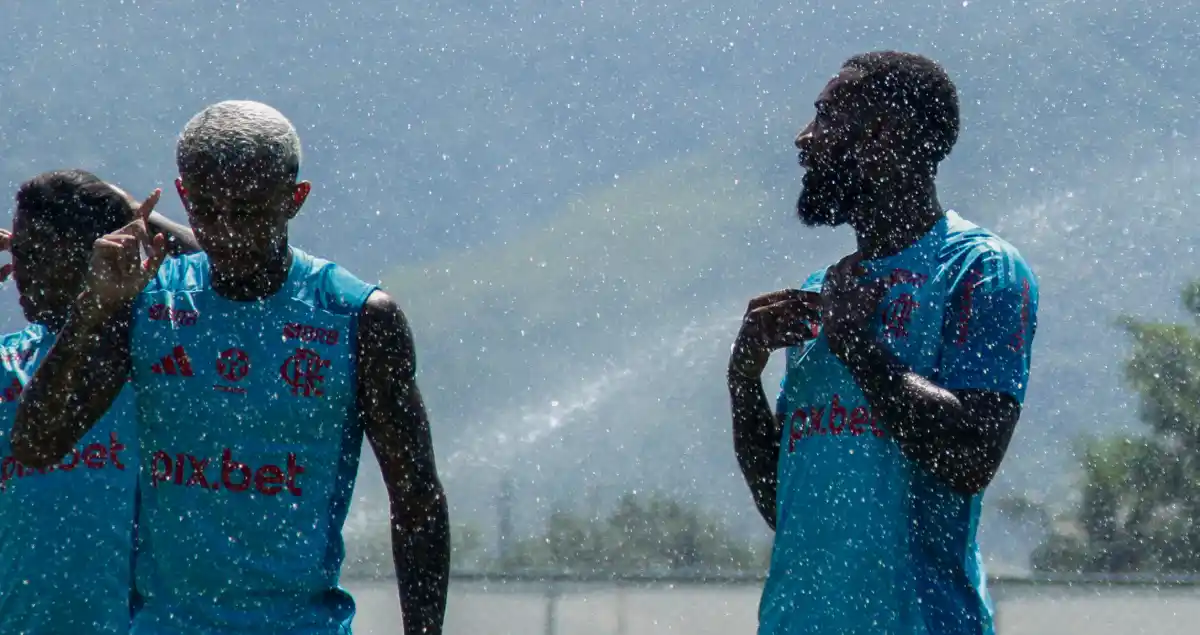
<point>244,142</point>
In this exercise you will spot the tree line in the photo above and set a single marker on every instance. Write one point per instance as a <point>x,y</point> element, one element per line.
<point>643,533</point>
<point>1138,507</point>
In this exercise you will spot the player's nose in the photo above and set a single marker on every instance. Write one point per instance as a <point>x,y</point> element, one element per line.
<point>803,143</point>
<point>804,137</point>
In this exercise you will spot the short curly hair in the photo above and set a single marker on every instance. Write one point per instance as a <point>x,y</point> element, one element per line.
<point>914,89</point>
<point>74,203</point>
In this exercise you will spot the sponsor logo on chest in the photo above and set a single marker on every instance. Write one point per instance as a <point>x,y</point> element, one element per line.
<point>899,308</point>
<point>833,419</point>
<point>178,317</point>
<point>302,372</point>
<point>184,469</point>
<point>310,334</point>
<point>94,456</point>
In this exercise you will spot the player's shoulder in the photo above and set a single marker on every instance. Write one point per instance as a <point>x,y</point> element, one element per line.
<point>814,281</point>
<point>973,253</point>
<point>328,286</point>
<point>187,272</point>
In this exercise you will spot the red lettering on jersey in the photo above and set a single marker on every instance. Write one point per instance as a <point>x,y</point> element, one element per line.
<point>809,421</point>
<point>835,411</point>
<point>973,278</point>
<point>268,479</point>
<point>179,317</point>
<point>904,276</point>
<point>1017,344</point>
<point>13,392</point>
<point>302,371</point>
<point>898,315</point>
<point>95,456</point>
<point>233,364</point>
<point>306,333</point>
<point>858,417</point>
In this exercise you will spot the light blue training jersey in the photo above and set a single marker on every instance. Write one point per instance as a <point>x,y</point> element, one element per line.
<point>66,532</point>
<point>867,541</point>
<point>247,414</point>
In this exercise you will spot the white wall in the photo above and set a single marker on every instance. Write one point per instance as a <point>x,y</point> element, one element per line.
<point>597,609</point>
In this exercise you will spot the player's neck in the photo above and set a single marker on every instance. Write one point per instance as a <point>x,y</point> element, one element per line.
<point>894,219</point>
<point>255,283</point>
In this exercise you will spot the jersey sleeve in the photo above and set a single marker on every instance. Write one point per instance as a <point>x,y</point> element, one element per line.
<point>991,320</point>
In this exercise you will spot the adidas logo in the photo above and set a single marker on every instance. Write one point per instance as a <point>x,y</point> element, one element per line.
<point>177,363</point>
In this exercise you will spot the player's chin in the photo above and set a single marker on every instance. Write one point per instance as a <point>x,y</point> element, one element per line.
<point>817,212</point>
<point>235,258</point>
<point>822,201</point>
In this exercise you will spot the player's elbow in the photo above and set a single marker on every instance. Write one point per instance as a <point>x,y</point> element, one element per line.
<point>768,517</point>
<point>418,508</point>
<point>971,473</point>
<point>969,485</point>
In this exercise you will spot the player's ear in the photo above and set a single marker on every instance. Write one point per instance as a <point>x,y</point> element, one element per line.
<point>879,133</point>
<point>299,195</point>
<point>182,192</point>
<point>880,143</point>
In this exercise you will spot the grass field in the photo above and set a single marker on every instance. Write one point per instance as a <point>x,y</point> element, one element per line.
<point>475,609</point>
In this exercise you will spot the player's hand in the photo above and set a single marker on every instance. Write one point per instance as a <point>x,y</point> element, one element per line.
<point>6,270</point>
<point>848,304</point>
<point>773,321</point>
<point>117,272</point>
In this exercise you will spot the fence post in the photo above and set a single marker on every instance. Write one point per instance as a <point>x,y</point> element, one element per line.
<point>551,608</point>
<point>621,626</point>
<point>996,590</point>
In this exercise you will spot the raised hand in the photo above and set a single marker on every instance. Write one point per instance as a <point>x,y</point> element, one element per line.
<point>117,271</point>
<point>773,321</point>
<point>849,301</point>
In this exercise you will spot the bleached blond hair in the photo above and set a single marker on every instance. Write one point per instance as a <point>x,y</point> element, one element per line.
<point>244,138</point>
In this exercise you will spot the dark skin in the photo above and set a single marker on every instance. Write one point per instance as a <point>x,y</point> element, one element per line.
<point>246,239</point>
<point>180,239</point>
<point>49,266</point>
<point>959,436</point>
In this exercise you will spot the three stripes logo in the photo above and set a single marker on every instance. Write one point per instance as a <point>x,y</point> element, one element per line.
<point>177,363</point>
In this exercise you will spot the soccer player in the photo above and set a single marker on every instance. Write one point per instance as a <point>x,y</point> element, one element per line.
<point>66,530</point>
<point>907,363</point>
<point>258,370</point>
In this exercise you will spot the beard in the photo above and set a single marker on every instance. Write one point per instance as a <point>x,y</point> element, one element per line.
<point>826,195</point>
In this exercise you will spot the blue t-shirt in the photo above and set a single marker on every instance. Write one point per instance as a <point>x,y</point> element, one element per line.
<point>866,540</point>
<point>247,413</point>
<point>66,532</point>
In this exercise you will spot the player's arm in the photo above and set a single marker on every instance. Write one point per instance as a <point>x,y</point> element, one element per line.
<point>772,322</point>
<point>959,428</point>
<point>398,430</point>
<point>756,439</point>
<point>75,385</point>
<point>959,436</point>
<point>180,238</point>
